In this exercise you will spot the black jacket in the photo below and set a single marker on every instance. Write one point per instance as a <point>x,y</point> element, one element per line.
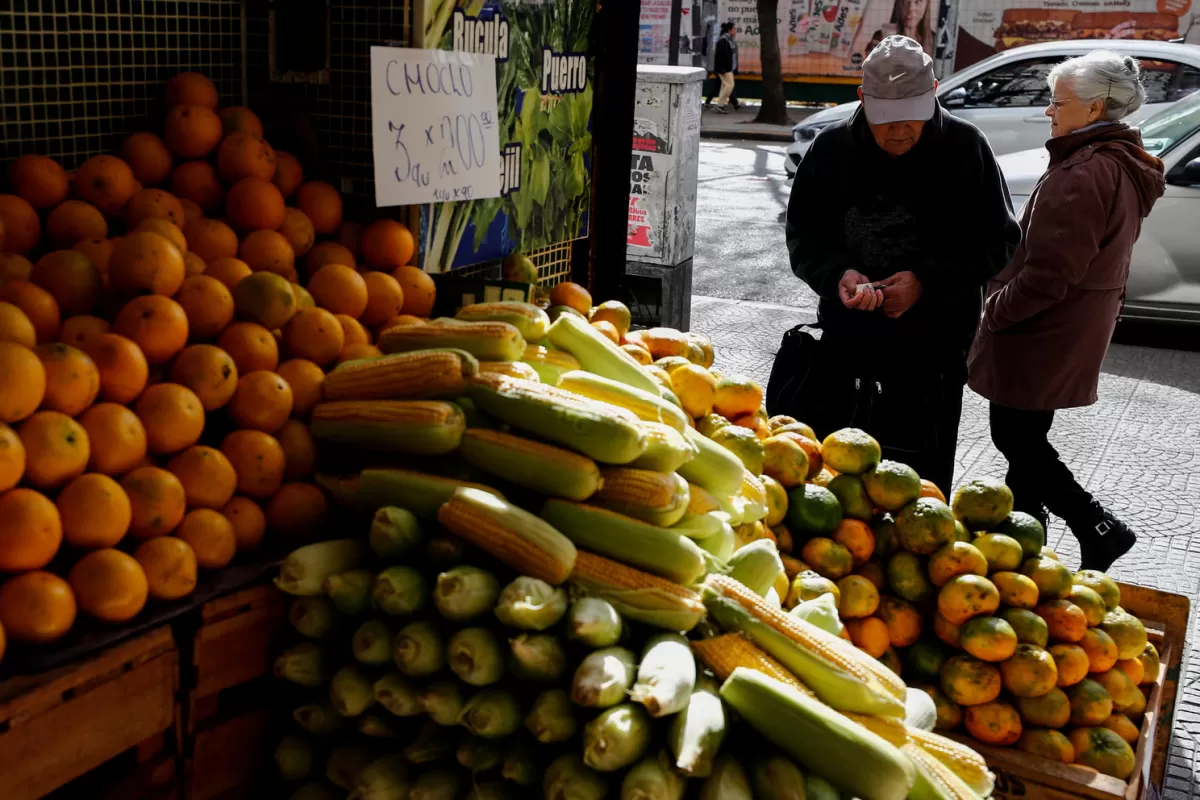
<point>941,211</point>
<point>725,58</point>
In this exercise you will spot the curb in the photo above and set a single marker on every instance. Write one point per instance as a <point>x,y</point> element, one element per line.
<point>733,133</point>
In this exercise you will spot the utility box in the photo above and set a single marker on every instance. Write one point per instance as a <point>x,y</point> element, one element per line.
<point>662,193</point>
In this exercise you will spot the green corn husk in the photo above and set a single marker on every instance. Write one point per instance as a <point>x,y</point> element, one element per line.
<point>594,622</point>
<point>531,604</point>
<point>721,544</point>
<point>294,757</point>
<point>438,784</point>
<point>568,778</point>
<point>315,791</point>
<point>465,592</point>
<point>821,611</point>
<point>521,764</point>
<point>757,565</point>
<point>313,616</point>
<point>394,532</point>
<point>350,591</point>
<point>375,726</point>
<point>433,743</point>
<point>307,664</point>
<point>418,650</point>
<point>319,720</point>
<point>776,777</point>
<point>666,676</point>
<point>400,591</point>
<point>538,657</point>
<point>728,781</point>
<point>491,713</point>
<point>384,778</point>
<point>652,779</point>
<point>443,702</point>
<point>304,570</point>
<point>603,678</point>
<point>345,763</point>
<point>697,731</point>
<point>617,737</point>
<point>817,788</point>
<point>552,717</point>
<point>478,754</point>
<point>475,656</point>
<point>351,692</point>
<point>372,643</point>
<point>399,696</point>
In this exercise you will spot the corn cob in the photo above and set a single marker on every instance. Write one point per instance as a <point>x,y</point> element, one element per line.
<point>423,427</point>
<point>487,341</point>
<point>542,467</point>
<point>405,376</point>
<point>513,369</point>
<point>666,675</point>
<point>934,780</point>
<point>418,492</point>
<point>649,407</point>
<point>831,667</point>
<point>662,551</point>
<point>704,525</point>
<point>527,318</point>
<point>510,534</point>
<point>714,467</point>
<point>549,364</point>
<point>823,742</point>
<point>638,595</point>
<point>963,761</point>
<point>723,654</point>
<point>666,449</point>
<point>721,544</point>
<point>589,428</point>
<point>598,354</point>
<point>889,728</point>
<point>700,501</point>
<point>754,495</point>
<point>697,731</point>
<point>653,497</point>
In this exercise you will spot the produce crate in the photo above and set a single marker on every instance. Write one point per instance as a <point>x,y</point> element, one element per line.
<point>1021,775</point>
<point>117,704</point>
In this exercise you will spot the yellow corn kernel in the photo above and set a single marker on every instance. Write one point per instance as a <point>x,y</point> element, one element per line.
<point>894,730</point>
<point>405,376</point>
<point>938,779</point>
<point>725,653</point>
<point>958,758</point>
<point>491,341</point>
<point>638,595</point>
<point>513,369</point>
<point>655,497</point>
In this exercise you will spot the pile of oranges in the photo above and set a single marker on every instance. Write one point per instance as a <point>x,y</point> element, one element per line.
<point>167,317</point>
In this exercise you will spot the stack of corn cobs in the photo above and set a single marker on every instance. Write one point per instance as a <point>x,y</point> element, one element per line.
<point>545,596</point>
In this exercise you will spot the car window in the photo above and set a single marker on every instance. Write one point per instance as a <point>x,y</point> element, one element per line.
<point>1020,84</point>
<point>1167,128</point>
<point>1167,81</point>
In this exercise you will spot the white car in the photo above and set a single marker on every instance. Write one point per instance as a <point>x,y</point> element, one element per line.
<point>1164,276</point>
<point>1006,95</point>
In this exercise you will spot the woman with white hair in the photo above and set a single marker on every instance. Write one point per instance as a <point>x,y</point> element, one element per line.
<point>1051,312</point>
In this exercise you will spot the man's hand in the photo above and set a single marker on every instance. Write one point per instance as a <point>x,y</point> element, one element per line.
<point>900,293</point>
<point>855,291</point>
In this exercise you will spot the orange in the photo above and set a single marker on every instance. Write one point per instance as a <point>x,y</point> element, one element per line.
<point>147,155</point>
<point>856,537</point>
<point>1132,667</point>
<point>970,682</point>
<point>988,638</point>
<point>192,265</point>
<point>157,324</point>
<point>322,204</point>
<point>859,598</point>
<point>408,319</point>
<point>71,278</point>
<point>173,417</point>
<point>197,181</point>
<point>109,585</point>
<point>385,298</point>
<point>83,331</point>
<point>146,262</point>
<point>325,253</point>
<point>306,380</point>
<point>14,266</point>
<point>297,509</point>
<point>265,298</point>
<point>1030,672</point>
<point>191,89</point>
<point>38,305</point>
<point>153,204</point>
<point>1066,621</point>
<point>170,567</point>
<point>192,131</point>
<point>696,389</point>
<point>166,229</point>
<point>736,395</point>
<point>22,382</point>
<point>268,250</point>
<point>209,372</point>
<point>239,118</point>
<point>123,367</point>
<point>98,251</point>
<point>106,182</point>
<point>12,459</point>
<point>340,289</point>
<point>72,379</point>
<point>36,607</point>
<point>869,635</point>
<point>419,290</point>
<point>251,346</point>
<point>248,520</point>
<point>73,221</point>
<point>1103,750</point>
<point>967,596</point>
<point>1100,648</point>
<point>297,228</point>
<point>387,244</point>
<point>228,271</point>
<point>191,211</point>
<point>254,204</point>
<point>1072,662</point>
<point>207,304</point>
<point>39,180</point>
<point>577,297</point>
<point>289,174</point>
<point>245,155</point>
<point>352,330</point>
<point>15,327</point>
<point>355,352</point>
<point>299,450</point>
<point>994,723</point>
<point>210,535</point>
<point>902,619</point>
<point>116,436</point>
<point>263,401</point>
<point>30,530</point>
<point>56,449</point>
<point>22,228</point>
<point>207,476</point>
<point>314,334</point>
<point>954,559</point>
<point>211,239</point>
<point>157,501</point>
<point>258,459</point>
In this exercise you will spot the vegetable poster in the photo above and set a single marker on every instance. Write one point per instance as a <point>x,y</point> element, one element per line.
<point>544,75</point>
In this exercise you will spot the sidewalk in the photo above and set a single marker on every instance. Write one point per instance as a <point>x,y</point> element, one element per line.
<point>740,124</point>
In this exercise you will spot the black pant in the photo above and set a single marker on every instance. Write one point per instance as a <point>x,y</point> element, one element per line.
<point>936,461</point>
<point>1036,474</point>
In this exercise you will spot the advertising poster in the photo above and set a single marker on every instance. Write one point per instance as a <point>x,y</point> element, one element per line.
<point>544,75</point>
<point>654,32</point>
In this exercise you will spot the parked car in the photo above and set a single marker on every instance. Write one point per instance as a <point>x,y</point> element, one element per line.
<point>1164,276</point>
<point>1006,94</point>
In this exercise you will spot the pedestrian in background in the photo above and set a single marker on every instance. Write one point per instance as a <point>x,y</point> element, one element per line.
<point>725,62</point>
<point>1051,313</point>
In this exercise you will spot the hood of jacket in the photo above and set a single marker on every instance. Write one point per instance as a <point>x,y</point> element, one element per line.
<point>1122,144</point>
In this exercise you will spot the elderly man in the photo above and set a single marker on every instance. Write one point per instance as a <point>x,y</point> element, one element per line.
<point>897,219</point>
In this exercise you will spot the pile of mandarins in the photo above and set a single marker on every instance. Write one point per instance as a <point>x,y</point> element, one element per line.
<point>166,321</point>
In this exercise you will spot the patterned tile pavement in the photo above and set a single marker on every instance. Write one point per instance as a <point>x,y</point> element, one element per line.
<point>1138,449</point>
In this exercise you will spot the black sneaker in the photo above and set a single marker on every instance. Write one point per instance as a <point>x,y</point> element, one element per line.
<point>1102,538</point>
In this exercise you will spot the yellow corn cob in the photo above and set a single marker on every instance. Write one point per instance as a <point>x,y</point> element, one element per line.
<point>598,354</point>
<point>510,534</point>
<point>487,341</point>
<point>655,497</point>
<point>934,780</point>
<point>700,501</point>
<point>483,381</point>
<point>534,465</point>
<point>550,364</point>
<point>423,427</point>
<point>666,449</point>
<point>407,376</point>
<point>725,653</point>
<point>527,318</point>
<point>646,406</point>
<point>513,369</point>
<point>714,467</point>
<point>958,758</point>
<point>638,595</point>
<point>755,496</point>
<point>890,728</point>
<point>374,488</point>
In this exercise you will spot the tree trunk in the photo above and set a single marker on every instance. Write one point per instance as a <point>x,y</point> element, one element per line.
<point>774,106</point>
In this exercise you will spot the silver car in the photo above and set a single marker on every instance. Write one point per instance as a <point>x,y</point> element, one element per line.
<point>1005,95</point>
<point>1164,276</point>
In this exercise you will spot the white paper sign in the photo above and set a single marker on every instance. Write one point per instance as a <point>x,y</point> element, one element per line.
<point>434,126</point>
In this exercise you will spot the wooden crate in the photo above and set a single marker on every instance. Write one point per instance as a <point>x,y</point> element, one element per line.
<point>1028,777</point>
<point>58,726</point>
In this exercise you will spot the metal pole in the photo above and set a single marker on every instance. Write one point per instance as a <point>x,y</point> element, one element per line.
<point>673,46</point>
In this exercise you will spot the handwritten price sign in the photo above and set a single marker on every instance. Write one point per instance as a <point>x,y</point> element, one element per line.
<point>434,126</point>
